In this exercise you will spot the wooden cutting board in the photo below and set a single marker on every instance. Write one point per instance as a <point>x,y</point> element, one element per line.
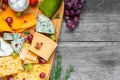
<point>57,23</point>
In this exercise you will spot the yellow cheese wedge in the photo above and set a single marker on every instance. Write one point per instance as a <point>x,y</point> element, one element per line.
<point>25,53</point>
<point>33,74</point>
<point>10,65</point>
<point>47,48</point>
<point>24,22</point>
<point>4,26</point>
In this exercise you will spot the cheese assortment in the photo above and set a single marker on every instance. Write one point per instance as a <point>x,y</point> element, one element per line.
<point>26,56</point>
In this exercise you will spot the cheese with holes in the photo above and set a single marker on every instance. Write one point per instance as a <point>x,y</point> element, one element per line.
<point>5,48</point>
<point>4,26</point>
<point>23,22</point>
<point>25,53</point>
<point>45,25</point>
<point>33,74</point>
<point>10,65</point>
<point>11,36</point>
<point>47,47</point>
<point>17,44</point>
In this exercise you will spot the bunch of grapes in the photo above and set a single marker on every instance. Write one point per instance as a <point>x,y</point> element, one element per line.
<point>73,9</point>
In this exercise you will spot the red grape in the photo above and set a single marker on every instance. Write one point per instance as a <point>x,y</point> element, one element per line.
<point>68,5</point>
<point>29,38</point>
<point>5,1</point>
<point>41,61</point>
<point>73,10</point>
<point>42,75</point>
<point>10,78</point>
<point>67,13</point>
<point>9,20</point>
<point>78,12</point>
<point>66,17</point>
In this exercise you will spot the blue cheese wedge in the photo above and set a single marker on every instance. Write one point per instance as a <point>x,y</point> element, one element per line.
<point>17,44</point>
<point>11,36</point>
<point>5,48</point>
<point>45,25</point>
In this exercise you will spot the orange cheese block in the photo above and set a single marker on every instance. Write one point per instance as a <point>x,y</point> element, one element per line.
<point>23,22</point>
<point>47,47</point>
<point>4,26</point>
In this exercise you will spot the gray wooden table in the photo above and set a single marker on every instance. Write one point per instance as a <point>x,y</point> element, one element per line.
<point>94,47</point>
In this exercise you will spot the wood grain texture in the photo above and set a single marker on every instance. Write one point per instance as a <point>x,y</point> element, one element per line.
<point>91,61</point>
<point>94,47</point>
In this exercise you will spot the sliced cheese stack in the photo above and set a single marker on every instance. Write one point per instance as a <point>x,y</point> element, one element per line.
<point>10,65</point>
<point>26,55</point>
<point>45,46</point>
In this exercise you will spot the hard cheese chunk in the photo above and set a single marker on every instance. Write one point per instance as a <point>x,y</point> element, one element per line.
<point>45,25</point>
<point>27,61</point>
<point>47,48</point>
<point>25,53</point>
<point>33,74</point>
<point>5,48</point>
<point>24,22</point>
<point>17,44</point>
<point>11,36</point>
<point>10,65</point>
<point>4,26</point>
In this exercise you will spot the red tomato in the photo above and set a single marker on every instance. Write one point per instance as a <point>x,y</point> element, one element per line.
<point>33,2</point>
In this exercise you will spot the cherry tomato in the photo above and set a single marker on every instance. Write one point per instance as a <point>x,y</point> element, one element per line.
<point>33,2</point>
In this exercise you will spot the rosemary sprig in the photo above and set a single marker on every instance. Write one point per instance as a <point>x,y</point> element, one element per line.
<point>56,73</point>
<point>26,32</point>
<point>71,69</point>
<point>57,16</point>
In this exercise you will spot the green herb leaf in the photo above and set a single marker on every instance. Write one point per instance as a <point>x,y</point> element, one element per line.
<point>57,16</point>
<point>71,69</point>
<point>56,73</point>
<point>26,32</point>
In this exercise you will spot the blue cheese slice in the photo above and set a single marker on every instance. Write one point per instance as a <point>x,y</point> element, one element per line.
<point>17,44</point>
<point>45,25</point>
<point>11,36</point>
<point>5,48</point>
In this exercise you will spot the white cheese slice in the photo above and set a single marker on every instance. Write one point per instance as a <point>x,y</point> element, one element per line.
<point>45,25</point>
<point>5,48</point>
<point>17,44</point>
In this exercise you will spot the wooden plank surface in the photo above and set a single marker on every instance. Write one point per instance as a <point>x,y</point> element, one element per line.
<point>92,61</point>
<point>94,47</point>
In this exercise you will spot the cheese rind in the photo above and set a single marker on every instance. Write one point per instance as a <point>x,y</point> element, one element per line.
<point>45,25</point>
<point>46,49</point>
<point>10,65</point>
